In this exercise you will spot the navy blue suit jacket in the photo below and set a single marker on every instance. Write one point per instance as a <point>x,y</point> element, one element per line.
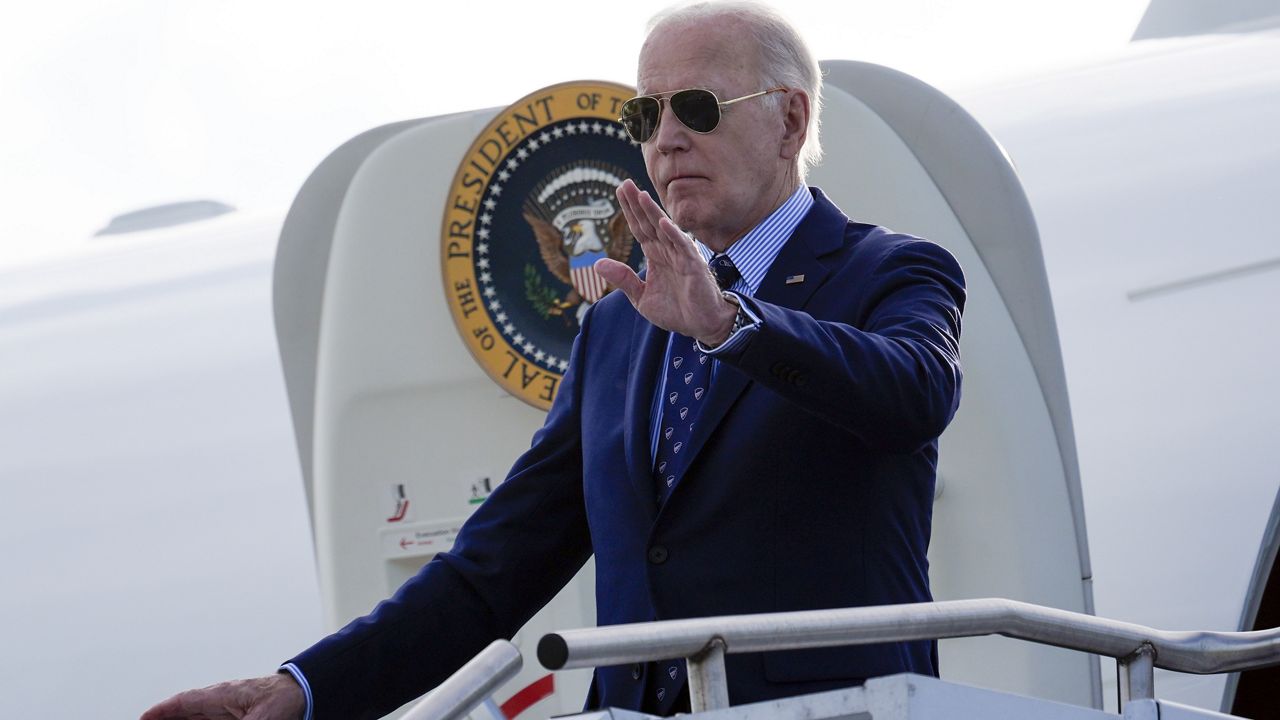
<point>811,485</point>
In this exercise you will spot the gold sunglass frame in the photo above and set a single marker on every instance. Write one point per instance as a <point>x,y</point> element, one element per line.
<point>664,98</point>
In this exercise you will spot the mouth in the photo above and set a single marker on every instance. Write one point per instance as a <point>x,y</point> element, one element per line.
<point>683,178</point>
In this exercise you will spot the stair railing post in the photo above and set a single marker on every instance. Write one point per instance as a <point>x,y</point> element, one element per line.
<point>1137,675</point>
<point>708,684</point>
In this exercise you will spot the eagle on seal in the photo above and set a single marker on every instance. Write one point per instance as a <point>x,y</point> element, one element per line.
<point>571,245</point>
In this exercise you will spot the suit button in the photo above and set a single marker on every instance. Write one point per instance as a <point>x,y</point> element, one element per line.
<point>635,671</point>
<point>657,554</point>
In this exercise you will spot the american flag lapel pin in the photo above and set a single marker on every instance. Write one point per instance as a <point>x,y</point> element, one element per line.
<point>795,279</point>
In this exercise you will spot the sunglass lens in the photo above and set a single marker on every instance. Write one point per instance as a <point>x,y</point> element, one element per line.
<point>640,117</point>
<point>697,109</point>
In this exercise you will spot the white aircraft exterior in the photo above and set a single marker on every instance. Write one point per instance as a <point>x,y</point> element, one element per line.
<point>157,515</point>
<point>1154,180</point>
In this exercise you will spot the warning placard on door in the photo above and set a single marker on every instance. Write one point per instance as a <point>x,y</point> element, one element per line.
<point>419,539</point>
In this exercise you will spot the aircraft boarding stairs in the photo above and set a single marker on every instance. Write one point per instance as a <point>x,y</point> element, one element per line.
<point>704,642</point>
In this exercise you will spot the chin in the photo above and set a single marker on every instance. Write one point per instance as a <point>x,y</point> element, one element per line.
<point>687,214</point>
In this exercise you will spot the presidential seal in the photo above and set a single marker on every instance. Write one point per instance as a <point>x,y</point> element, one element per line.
<point>530,210</point>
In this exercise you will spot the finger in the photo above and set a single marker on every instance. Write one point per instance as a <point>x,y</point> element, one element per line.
<point>680,241</point>
<point>160,710</point>
<point>621,276</point>
<point>628,195</point>
<point>652,212</point>
<point>627,187</point>
<point>637,202</point>
<point>642,205</point>
<point>645,232</point>
<point>674,243</point>
<point>681,244</point>
<point>189,704</point>
<point>683,254</point>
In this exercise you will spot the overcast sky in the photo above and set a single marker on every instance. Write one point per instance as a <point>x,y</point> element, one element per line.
<point>111,107</point>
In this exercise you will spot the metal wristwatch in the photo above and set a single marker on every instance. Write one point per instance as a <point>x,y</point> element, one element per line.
<point>740,320</point>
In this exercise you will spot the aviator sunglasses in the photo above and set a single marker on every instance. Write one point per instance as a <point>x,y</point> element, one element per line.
<point>698,109</point>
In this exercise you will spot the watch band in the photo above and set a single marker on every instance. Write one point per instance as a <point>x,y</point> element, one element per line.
<point>740,320</point>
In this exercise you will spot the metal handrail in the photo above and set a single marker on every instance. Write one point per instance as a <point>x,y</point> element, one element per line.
<point>467,688</point>
<point>704,641</point>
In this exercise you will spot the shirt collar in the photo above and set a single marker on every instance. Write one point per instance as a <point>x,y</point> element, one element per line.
<point>755,251</point>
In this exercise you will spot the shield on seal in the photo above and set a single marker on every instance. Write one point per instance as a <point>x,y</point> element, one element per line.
<point>573,215</point>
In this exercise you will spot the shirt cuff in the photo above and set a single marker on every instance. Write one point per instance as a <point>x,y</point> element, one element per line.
<point>302,681</point>
<point>738,339</point>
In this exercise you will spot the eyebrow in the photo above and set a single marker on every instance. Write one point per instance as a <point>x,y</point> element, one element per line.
<point>716,91</point>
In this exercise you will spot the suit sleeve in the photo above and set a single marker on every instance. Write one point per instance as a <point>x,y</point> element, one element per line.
<point>521,546</point>
<point>887,367</point>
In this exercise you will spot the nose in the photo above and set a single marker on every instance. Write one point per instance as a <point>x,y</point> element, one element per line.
<point>671,134</point>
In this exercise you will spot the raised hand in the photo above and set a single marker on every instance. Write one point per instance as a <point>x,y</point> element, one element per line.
<point>678,293</point>
<point>276,697</point>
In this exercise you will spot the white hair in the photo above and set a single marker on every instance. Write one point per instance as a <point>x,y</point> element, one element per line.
<point>784,57</point>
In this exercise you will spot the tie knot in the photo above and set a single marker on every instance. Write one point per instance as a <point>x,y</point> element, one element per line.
<point>722,267</point>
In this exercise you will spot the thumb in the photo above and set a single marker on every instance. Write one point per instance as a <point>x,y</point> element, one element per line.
<point>621,276</point>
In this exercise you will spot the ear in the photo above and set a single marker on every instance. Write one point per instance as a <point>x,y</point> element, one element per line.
<point>795,123</point>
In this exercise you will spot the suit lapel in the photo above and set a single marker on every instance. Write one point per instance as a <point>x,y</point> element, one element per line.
<point>820,233</point>
<point>648,346</point>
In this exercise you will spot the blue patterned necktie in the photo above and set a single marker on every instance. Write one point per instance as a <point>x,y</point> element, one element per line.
<point>688,376</point>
